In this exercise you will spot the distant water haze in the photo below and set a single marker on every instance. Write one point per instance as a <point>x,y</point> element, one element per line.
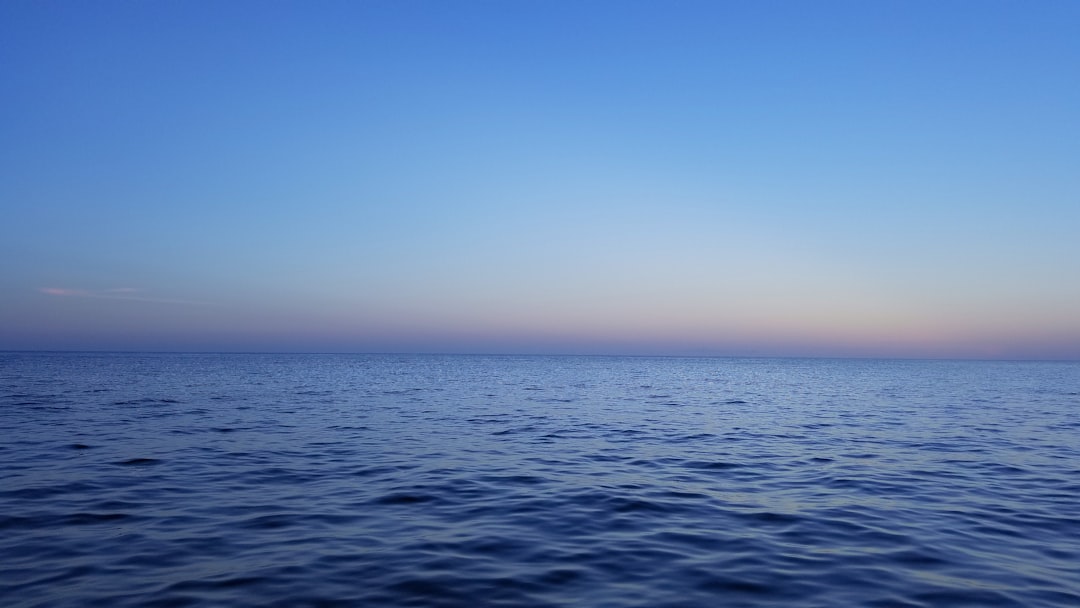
<point>632,329</point>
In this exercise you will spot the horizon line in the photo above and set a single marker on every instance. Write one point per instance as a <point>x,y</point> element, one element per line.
<point>511,354</point>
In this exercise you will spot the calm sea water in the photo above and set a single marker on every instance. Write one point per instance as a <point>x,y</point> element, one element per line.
<point>368,480</point>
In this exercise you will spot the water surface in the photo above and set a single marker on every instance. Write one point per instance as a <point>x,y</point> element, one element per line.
<point>349,480</point>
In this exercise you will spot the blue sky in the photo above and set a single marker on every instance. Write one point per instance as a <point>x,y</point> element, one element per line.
<point>781,178</point>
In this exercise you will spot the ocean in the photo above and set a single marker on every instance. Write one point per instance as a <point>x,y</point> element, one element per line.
<point>426,480</point>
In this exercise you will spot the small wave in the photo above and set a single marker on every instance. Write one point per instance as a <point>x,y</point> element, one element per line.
<point>138,462</point>
<point>147,401</point>
<point>49,520</point>
<point>712,465</point>
<point>405,498</point>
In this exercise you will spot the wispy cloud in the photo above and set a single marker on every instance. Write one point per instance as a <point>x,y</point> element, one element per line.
<point>63,291</point>
<point>114,293</point>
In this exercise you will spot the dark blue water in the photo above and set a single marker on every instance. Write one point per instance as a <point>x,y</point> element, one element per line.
<point>274,480</point>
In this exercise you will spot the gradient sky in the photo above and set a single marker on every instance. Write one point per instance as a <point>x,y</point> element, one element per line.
<point>542,176</point>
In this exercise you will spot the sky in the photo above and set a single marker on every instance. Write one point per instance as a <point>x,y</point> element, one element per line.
<point>885,179</point>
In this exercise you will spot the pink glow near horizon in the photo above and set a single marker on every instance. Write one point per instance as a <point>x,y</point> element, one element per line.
<point>62,291</point>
